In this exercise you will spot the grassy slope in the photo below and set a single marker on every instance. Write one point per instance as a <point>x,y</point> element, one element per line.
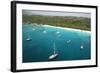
<point>70,22</point>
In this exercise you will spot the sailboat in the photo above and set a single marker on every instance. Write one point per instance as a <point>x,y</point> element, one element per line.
<point>28,38</point>
<point>81,47</point>
<point>44,31</point>
<point>55,53</point>
<point>57,32</point>
<point>68,41</point>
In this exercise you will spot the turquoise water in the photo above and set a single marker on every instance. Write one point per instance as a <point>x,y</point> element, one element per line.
<point>40,47</point>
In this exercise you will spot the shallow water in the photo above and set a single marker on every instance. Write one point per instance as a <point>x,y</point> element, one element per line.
<point>68,44</point>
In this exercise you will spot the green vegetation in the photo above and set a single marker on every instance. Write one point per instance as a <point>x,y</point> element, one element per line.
<point>62,21</point>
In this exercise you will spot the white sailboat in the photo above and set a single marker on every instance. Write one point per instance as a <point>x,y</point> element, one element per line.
<point>33,29</point>
<point>57,32</point>
<point>28,38</point>
<point>68,41</point>
<point>81,47</point>
<point>44,31</point>
<point>55,53</point>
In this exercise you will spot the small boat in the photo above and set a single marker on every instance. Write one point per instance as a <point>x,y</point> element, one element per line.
<point>44,31</point>
<point>82,47</point>
<point>54,55</point>
<point>57,32</point>
<point>68,41</point>
<point>28,38</point>
<point>33,29</point>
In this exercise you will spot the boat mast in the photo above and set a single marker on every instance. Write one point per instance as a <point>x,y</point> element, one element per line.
<point>54,48</point>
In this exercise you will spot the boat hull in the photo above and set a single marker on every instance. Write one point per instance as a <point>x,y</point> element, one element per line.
<point>53,56</point>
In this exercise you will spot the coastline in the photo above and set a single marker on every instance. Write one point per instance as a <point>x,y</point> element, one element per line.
<point>65,28</point>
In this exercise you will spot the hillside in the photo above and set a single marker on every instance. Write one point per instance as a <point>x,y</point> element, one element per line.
<point>62,21</point>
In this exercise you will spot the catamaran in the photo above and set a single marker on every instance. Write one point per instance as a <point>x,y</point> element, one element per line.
<point>55,53</point>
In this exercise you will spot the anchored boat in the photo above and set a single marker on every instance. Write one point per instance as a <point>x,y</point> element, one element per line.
<point>28,38</point>
<point>55,53</point>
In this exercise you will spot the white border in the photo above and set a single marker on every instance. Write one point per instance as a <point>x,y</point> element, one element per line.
<point>38,65</point>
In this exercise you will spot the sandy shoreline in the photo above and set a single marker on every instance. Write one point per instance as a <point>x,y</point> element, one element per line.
<point>67,28</point>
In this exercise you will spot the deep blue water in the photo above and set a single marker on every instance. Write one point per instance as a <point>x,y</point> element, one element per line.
<point>40,47</point>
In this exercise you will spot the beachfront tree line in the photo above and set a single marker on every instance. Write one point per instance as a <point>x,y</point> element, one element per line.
<point>62,21</point>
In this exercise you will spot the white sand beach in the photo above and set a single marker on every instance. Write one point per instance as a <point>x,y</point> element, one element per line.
<point>65,28</point>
